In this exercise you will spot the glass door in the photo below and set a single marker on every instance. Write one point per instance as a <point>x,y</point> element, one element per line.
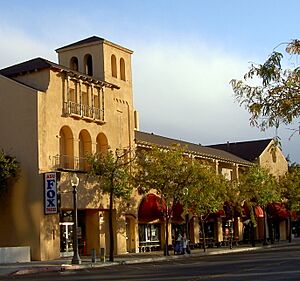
<point>66,239</point>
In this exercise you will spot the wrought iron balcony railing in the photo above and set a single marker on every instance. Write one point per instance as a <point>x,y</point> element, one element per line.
<point>70,162</point>
<point>83,111</point>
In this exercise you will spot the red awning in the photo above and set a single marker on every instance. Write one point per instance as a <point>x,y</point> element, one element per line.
<point>220,213</point>
<point>177,213</point>
<point>259,212</point>
<point>278,211</point>
<point>151,208</point>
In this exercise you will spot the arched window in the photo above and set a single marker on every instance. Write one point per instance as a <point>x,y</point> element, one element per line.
<point>88,65</point>
<point>122,69</point>
<point>74,63</point>
<point>113,66</point>
<point>102,143</point>
<point>85,148</point>
<point>66,149</point>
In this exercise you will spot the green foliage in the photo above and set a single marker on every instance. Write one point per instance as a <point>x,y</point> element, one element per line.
<point>177,177</point>
<point>290,187</point>
<point>233,198</point>
<point>207,194</point>
<point>258,187</point>
<point>169,172</point>
<point>9,170</point>
<point>274,98</point>
<point>112,171</point>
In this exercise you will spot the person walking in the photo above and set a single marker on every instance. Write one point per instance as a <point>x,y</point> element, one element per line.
<point>184,243</point>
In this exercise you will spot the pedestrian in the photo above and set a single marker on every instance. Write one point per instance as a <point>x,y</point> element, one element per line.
<point>179,244</point>
<point>184,243</point>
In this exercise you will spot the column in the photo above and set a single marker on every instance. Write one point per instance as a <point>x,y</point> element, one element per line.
<point>102,104</point>
<point>76,152</point>
<point>80,96</point>
<point>67,95</point>
<point>217,166</point>
<point>196,230</point>
<point>219,230</point>
<point>120,241</point>
<point>236,171</point>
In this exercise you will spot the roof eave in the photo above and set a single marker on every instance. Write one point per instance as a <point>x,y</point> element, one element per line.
<point>146,144</point>
<point>79,75</point>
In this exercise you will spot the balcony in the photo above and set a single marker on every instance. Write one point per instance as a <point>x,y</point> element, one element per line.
<point>67,162</point>
<point>74,108</point>
<point>81,111</point>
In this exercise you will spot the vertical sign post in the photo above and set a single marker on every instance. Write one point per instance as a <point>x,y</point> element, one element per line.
<point>50,193</point>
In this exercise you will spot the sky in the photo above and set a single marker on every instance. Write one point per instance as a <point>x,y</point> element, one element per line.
<point>185,54</point>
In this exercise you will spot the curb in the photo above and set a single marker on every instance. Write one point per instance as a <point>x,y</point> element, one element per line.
<point>36,270</point>
<point>65,267</point>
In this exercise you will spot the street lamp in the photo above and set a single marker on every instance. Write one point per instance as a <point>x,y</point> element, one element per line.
<point>187,227</point>
<point>75,182</point>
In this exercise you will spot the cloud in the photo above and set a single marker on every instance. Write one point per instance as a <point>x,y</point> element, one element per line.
<point>183,92</point>
<point>17,46</point>
<point>186,88</point>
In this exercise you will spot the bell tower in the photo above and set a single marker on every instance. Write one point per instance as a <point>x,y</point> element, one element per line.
<point>98,58</point>
<point>106,61</point>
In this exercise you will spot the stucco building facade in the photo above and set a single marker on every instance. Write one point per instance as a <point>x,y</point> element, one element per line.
<point>52,115</point>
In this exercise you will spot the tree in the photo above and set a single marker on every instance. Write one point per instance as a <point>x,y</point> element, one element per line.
<point>169,172</point>
<point>258,188</point>
<point>274,96</point>
<point>112,171</point>
<point>290,188</point>
<point>9,171</point>
<point>206,195</point>
<point>233,202</point>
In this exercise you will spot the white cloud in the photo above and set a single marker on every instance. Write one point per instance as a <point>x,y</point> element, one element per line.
<point>184,93</point>
<point>186,88</point>
<point>17,46</point>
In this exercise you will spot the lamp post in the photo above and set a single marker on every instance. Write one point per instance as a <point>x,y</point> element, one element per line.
<point>187,221</point>
<point>74,182</point>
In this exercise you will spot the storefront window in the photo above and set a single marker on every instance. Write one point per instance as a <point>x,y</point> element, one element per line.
<point>149,232</point>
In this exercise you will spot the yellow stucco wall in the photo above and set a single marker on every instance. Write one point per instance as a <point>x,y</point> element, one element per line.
<point>273,159</point>
<point>22,210</point>
<point>31,128</point>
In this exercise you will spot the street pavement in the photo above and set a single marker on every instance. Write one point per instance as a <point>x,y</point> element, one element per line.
<point>64,264</point>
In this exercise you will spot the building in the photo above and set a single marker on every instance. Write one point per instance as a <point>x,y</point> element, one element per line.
<point>227,164</point>
<point>52,115</point>
<point>264,152</point>
<point>268,155</point>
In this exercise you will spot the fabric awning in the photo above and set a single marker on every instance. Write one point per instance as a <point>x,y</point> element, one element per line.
<point>220,213</point>
<point>258,211</point>
<point>278,211</point>
<point>152,208</point>
<point>177,216</point>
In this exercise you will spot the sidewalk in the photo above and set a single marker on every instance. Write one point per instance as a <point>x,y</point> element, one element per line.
<point>130,258</point>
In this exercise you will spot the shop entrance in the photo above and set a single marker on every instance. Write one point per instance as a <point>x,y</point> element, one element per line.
<point>149,237</point>
<point>66,233</point>
<point>66,239</point>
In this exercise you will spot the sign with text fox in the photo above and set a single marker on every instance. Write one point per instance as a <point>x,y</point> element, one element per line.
<point>50,193</point>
